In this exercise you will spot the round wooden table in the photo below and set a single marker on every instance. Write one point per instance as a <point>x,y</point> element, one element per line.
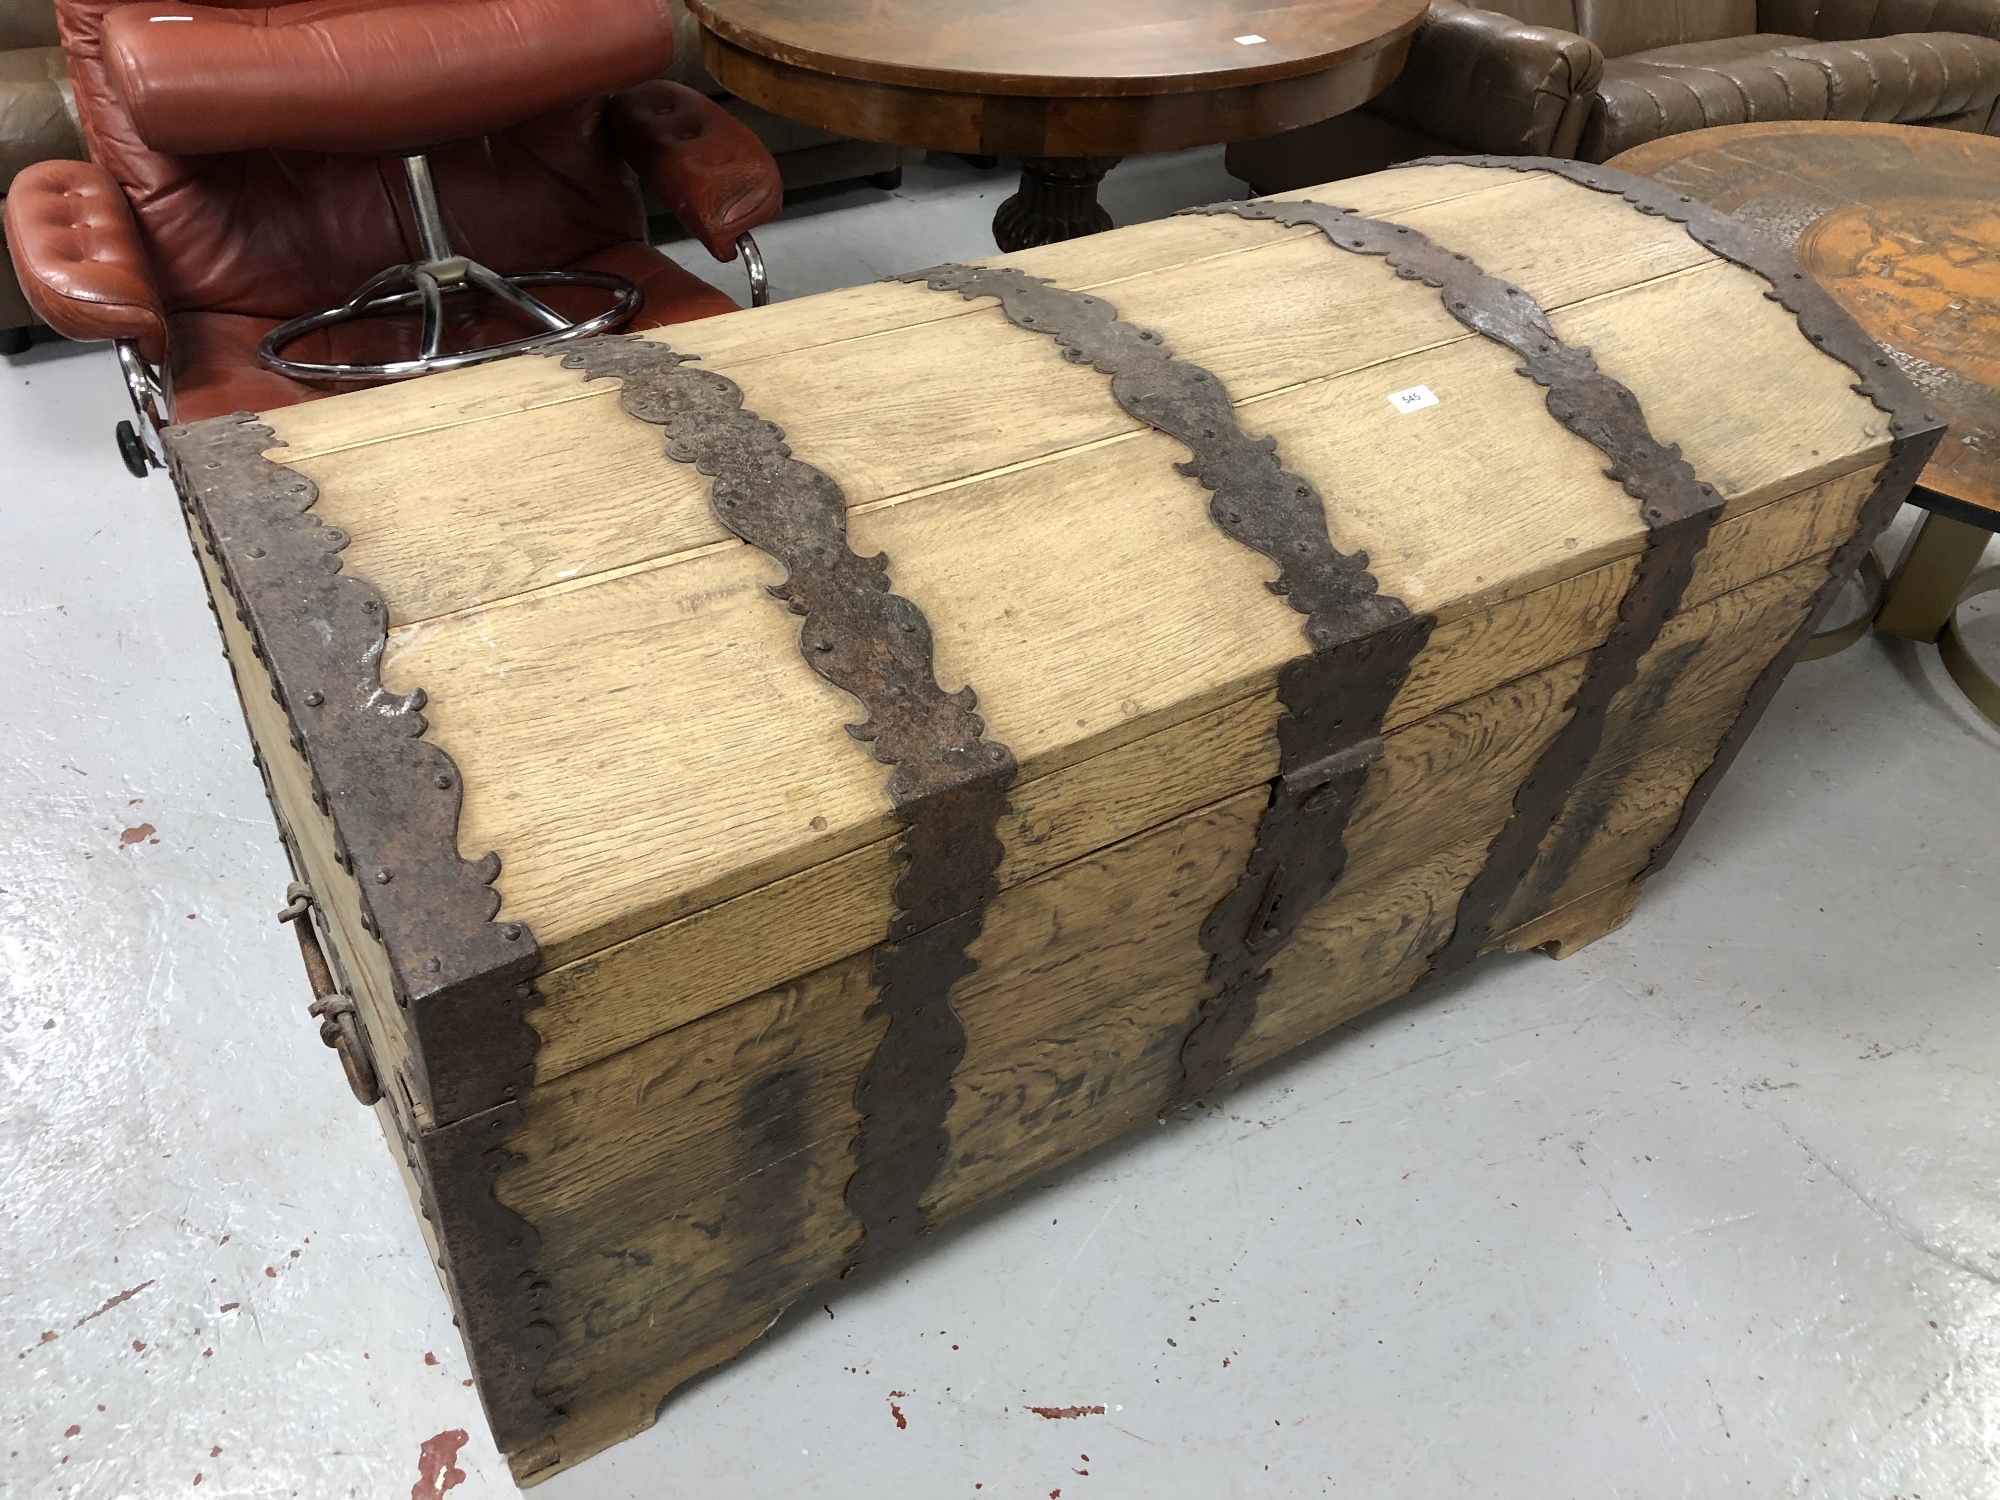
<point>1068,87</point>
<point>1902,225</point>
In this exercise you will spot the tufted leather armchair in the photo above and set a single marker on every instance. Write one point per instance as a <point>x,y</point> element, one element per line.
<point>244,165</point>
<point>1592,78</point>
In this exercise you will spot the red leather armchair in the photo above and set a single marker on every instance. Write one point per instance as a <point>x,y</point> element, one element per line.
<point>244,172</point>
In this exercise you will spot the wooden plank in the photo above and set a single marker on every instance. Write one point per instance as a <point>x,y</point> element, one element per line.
<point>1377,939</point>
<point>635,1286</point>
<point>1660,734</point>
<point>662,1302</point>
<point>519,384</point>
<point>1132,612</point>
<point>1455,773</point>
<point>1569,929</point>
<point>604,1407</point>
<point>667,1237</point>
<point>625,994</point>
<point>1087,983</point>
<point>689,1187</point>
<point>634,1138</point>
<point>564,490</point>
<point>680,970</point>
<point>660,1124</point>
<point>1449,778</point>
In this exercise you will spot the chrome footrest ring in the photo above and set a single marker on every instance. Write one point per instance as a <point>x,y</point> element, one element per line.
<point>426,292</point>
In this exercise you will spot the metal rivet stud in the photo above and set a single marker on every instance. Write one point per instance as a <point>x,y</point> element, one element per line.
<point>315,698</point>
<point>432,965</point>
<point>510,931</point>
<point>441,781</point>
<point>382,877</point>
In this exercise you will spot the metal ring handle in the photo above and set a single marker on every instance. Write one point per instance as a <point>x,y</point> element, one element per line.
<point>1973,679</point>
<point>339,1025</point>
<point>1875,583</point>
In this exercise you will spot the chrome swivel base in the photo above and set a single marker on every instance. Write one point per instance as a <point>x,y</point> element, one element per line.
<point>423,287</point>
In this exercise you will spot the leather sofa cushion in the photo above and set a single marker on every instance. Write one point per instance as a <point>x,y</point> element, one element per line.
<point>1559,14</point>
<point>37,113</point>
<point>1623,27</point>
<point>1898,79</point>
<point>1490,82</point>
<point>1716,54</point>
<point>27,23</point>
<point>327,75</point>
<point>1850,20</point>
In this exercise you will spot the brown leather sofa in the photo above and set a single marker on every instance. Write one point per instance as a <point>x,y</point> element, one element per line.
<point>37,123</point>
<point>244,163</point>
<point>1592,78</point>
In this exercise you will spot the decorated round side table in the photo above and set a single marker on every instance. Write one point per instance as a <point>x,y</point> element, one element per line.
<point>1901,225</point>
<point>1069,88</point>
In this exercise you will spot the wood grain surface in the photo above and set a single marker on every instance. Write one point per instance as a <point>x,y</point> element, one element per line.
<point>1105,947</point>
<point>706,857</point>
<point>567,700</point>
<point>681,970</point>
<point>688,1188</point>
<point>1052,47</point>
<point>1062,124</point>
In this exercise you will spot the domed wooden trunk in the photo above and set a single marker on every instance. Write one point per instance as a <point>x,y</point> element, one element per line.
<point>1336,610</point>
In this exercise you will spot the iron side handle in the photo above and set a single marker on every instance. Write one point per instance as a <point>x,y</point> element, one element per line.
<point>339,1026</point>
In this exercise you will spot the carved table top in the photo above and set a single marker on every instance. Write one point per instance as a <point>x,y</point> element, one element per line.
<point>1902,225</point>
<point>1055,77</point>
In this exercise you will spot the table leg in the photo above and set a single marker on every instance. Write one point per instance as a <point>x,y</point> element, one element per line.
<point>1924,590</point>
<point>1057,201</point>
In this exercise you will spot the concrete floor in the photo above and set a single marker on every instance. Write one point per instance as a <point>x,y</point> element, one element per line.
<point>1709,1209</point>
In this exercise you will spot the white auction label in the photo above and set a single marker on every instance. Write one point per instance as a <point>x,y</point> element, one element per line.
<point>1416,398</point>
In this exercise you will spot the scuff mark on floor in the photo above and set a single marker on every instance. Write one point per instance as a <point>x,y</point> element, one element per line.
<point>125,1296</point>
<point>437,1465</point>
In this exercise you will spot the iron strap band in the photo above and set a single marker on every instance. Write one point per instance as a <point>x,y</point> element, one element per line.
<point>463,980</point>
<point>1677,507</point>
<point>1914,429</point>
<point>1335,699</point>
<point>948,783</point>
